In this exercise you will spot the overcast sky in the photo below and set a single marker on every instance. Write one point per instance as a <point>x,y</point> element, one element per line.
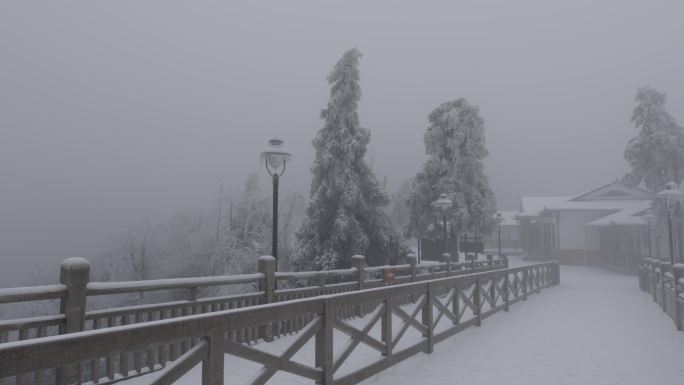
<point>113,112</point>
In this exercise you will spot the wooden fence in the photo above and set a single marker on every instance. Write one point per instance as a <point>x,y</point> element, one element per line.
<point>75,289</point>
<point>433,309</point>
<point>665,284</point>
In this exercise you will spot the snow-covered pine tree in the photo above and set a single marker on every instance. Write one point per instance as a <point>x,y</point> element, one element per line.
<point>455,144</point>
<point>656,154</point>
<point>344,216</point>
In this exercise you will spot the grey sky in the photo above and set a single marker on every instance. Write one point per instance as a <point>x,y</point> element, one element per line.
<point>112,112</point>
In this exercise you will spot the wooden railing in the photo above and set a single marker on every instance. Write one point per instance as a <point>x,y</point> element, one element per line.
<point>75,290</point>
<point>665,284</point>
<point>433,309</point>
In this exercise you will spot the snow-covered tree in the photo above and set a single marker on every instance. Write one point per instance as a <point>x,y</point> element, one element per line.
<point>135,243</point>
<point>397,210</point>
<point>344,216</point>
<point>656,154</point>
<point>252,223</point>
<point>455,144</point>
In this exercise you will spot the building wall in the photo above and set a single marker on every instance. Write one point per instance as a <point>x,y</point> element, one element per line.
<point>571,228</point>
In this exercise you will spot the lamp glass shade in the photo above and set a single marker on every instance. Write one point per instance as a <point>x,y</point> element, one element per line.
<point>443,202</point>
<point>276,155</point>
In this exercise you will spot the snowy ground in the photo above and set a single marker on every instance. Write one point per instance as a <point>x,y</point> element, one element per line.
<point>596,328</point>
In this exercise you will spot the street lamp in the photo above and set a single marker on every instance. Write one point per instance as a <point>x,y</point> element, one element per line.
<point>650,220</point>
<point>443,203</point>
<point>498,225</point>
<point>275,158</point>
<point>671,196</point>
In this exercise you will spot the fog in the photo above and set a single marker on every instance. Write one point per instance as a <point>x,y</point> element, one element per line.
<point>117,112</point>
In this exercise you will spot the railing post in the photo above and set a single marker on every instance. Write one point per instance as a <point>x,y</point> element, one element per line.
<point>427,318</point>
<point>266,265</point>
<point>478,302</point>
<point>359,262</point>
<point>413,261</point>
<point>506,291</point>
<point>653,280</point>
<point>455,306</point>
<point>447,259</point>
<point>386,327</point>
<point>324,345</point>
<point>677,273</point>
<point>524,285</point>
<point>212,366</point>
<point>663,303</point>
<point>75,275</point>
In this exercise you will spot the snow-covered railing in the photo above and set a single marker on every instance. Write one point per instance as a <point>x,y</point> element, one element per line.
<point>391,327</point>
<point>104,288</point>
<point>34,293</point>
<point>665,283</point>
<point>270,286</point>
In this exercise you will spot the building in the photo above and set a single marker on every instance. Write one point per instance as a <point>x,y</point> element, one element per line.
<point>603,226</point>
<point>510,239</point>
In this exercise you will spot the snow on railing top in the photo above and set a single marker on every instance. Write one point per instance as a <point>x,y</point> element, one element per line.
<point>315,274</point>
<point>102,288</point>
<point>33,293</point>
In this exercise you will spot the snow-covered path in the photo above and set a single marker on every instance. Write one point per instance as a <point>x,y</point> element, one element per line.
<point>595,328</point>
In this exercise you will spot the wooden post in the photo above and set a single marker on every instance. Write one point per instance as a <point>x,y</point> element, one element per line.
<point>506,290</point>
<point>492,290</point>
<point>677,273</point>
<point>427,318</point>
<point>386,327</point>
<point>455,306</point>
<point>447,259</point>
<point>662,286</point>
<point>75,275</point>
<point>359,262</point>
<point>212,366</point>
<point>478,303</point>
<point>266,265</point>
<point>652,275</point>
<point>324,345</point>
<point>524,285</point>
<point>413,261</point>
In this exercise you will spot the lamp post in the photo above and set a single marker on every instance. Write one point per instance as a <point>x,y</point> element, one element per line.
<point>650,220</point>
<point>443,204</point>
<point>275,158</point>
<point>670,197</point>
<point>498,237</point>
